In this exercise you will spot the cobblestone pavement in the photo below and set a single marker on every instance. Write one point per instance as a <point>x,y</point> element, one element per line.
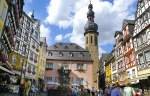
<point>10,94</point>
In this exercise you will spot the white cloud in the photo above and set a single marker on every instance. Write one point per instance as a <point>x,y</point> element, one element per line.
<point>44,31</point>
<point>59,12</point>
<point>101,51</point>
<point>28,1</point>
<point>59,38</point>
<point>29,13</point>
<point>108,16</point>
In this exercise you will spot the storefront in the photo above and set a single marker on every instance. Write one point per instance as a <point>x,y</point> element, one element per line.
<point>144,84</point>
<point>9,81</point>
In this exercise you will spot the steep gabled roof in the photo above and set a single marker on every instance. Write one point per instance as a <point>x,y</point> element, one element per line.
<point>127,22</point>
<point>68,51</point>
<point>117,32</point>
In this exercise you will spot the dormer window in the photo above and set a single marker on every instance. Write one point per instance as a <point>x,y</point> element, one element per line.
<point>81,55</point>
<point>50,53</point>
<point>55,46</point>
<point>66,47</point>
<point>71,54</point>
<point>60,54</point>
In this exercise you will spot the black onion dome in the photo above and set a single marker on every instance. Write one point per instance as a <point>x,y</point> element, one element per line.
<point>91,26</point>
<point>90,13</point>
<point>90,6</point>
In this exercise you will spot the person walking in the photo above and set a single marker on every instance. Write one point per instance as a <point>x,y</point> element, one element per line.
<point>20,82</point>
<point>116,90</point>
<point>27,87</point>
<point>128,91</point>
<point>107,91</point>
<point>138,92</point>
<point>100,93</point>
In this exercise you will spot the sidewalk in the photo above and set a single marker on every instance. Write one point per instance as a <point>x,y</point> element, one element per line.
<point>10,94</point>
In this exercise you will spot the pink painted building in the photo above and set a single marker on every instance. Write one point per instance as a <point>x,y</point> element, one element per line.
<point>74,59</point>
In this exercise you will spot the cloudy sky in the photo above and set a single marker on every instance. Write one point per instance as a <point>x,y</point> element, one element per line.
<point>64,20</point>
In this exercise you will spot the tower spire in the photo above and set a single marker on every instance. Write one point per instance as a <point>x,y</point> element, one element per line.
<point>90,25</point>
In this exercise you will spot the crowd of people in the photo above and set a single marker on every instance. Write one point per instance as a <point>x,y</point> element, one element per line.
<point>117,90</point>
<point>27,88</point>
<point>83,92</point>
<point>114,90</point>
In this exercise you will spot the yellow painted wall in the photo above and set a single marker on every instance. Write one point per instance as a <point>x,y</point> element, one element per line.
<point>41,62</point>
<point>108,74</point>
<point>20,60</point>
<point>144,73</point>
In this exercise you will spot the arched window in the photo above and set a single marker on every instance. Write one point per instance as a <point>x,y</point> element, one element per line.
<point>96,40</point>
<point>91,39</point>
<point>86,40</point>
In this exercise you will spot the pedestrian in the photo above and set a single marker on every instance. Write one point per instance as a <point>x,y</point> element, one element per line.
<point>116,90</point>
<point>138,92</point>
<point>107,91</point>
<point>27,87</point>
<point>21,83</point>
<point>100,93</point>
<point>128,91</point>
<point>73,91</point>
